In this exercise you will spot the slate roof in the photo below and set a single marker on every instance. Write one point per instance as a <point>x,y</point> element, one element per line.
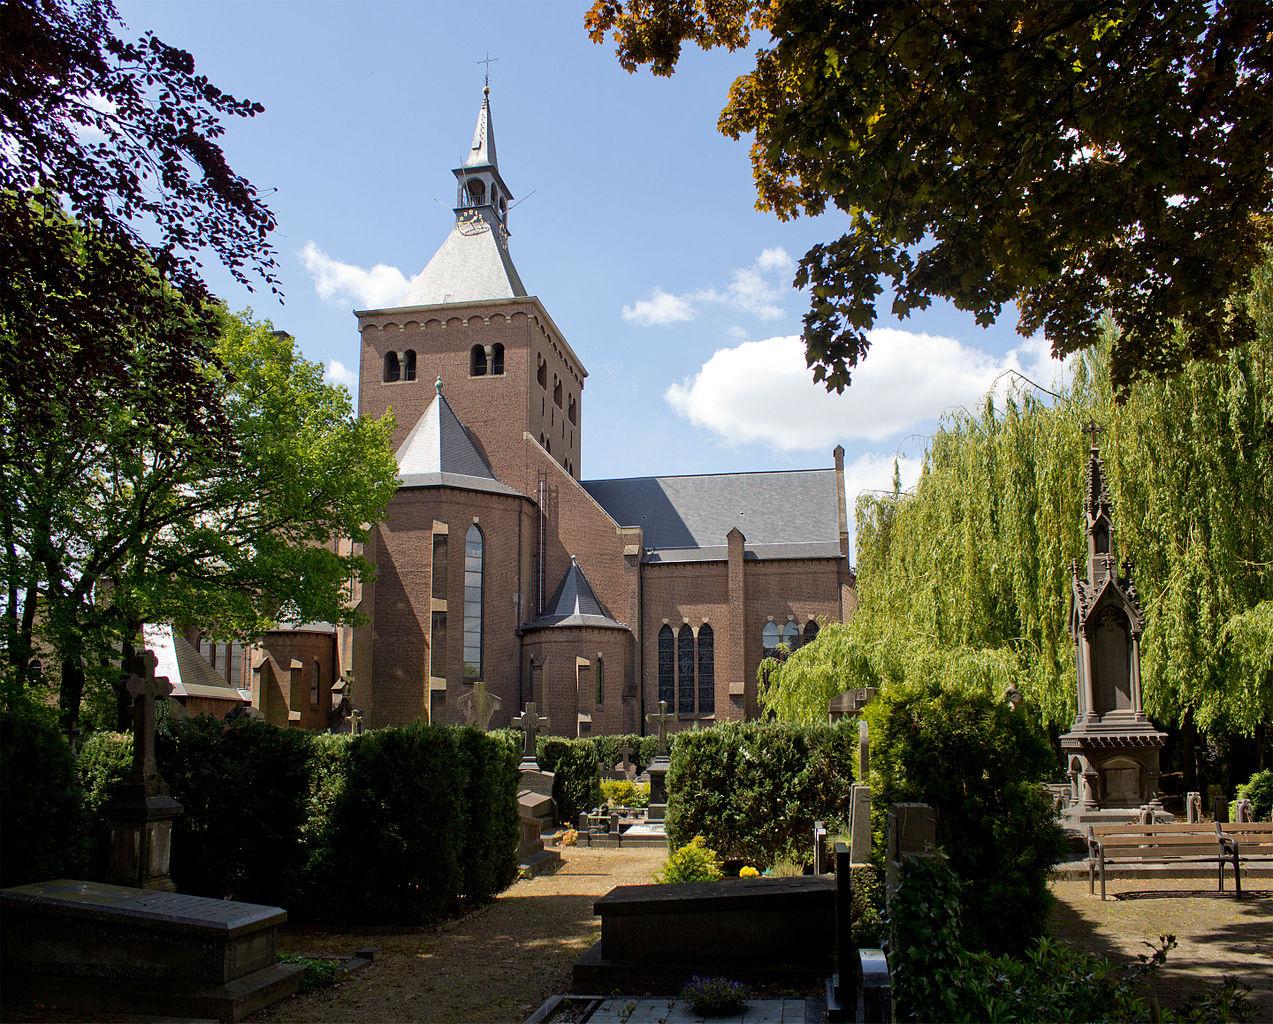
<point>189,671</point>
<point>786,514</point>
<point>574,604</point>
<point>472,263</point>
<point>482,153</point>
<point>439,453</point>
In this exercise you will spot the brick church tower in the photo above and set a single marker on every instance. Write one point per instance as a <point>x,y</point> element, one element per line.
<point>496,562</point>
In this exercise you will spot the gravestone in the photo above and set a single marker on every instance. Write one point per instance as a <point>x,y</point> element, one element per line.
<point>657,769</point>
<point>626,767</point>
<point>1193,807</point>
<point>478,705</point>
<point>860,801</point>
<point>1243,812</point>
<point>141,812</point>
<point>819,848</point>
<point>850,702</point>
<point>116,949</point>
<point>912,832</point>
<point>1112,750</point>
<point>536,810</point>
<point>864,752</point>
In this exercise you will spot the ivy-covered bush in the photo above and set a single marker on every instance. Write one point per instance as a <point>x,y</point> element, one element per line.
<point>935,977</point>
<point>754,789</point>
<point>577,786</point>
<point>1259,790</point>
<point>42,824</point>
<point>978,763</point>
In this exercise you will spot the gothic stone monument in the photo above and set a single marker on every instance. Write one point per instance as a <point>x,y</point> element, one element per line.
<point>536,810</point>
<point>1111,752</point>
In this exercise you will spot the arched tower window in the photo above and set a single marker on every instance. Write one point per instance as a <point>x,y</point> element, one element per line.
<point>497,360</point>
<point>572,411</point>
<point>474,558</point>
<point>477,361</point>
<point>685,670</point>
<point>541,374</point>
<point>769,639</point>
<point>557,392</point>
<point>313,683</point>
<point>601,681</point>
<point>810,630</point>
<point>475,192</point>
<point>408,364</point>
<point>706,670</point>
<point>393,368</point>
<point>667,666</point>
<point>791,635</point>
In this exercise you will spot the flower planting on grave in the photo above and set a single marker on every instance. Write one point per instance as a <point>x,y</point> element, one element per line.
<point>693,862</point>
<point>624,793</point>
<point>754,789</point>
<point>715,997</point>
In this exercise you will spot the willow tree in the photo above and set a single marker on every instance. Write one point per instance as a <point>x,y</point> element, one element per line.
<point>967,577</point>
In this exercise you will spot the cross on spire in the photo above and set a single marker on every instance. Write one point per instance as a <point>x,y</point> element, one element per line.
<point>488,60</point>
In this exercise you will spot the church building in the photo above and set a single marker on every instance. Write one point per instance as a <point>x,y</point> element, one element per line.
<point>499,562</point>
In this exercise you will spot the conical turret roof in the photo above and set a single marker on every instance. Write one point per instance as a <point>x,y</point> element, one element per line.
<point>440,453</point>
<point>574,604</point>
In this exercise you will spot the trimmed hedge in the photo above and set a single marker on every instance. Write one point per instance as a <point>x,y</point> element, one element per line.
<point>42,823</point>
<point>980,765</point>
<point>577,786</point>
<point>754,789</point>
<point>644,749</point>
<point>424,817</point>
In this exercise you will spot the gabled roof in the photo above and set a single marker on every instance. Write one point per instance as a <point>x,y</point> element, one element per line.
<point>187,670</point>
<point>786,514</point>
<point>471,264</point>
<point>439,453</point>
<point>574,604</point>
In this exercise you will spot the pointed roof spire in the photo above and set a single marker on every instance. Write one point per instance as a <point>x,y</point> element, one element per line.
<point>482,152</point>
<point>574,604</point>
<point>440,453</point>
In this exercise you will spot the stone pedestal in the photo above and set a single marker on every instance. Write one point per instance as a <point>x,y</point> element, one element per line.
<point>141,838</point>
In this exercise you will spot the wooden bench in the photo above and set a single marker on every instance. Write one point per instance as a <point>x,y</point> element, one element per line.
<point>1175,843</point>
<point>1248,841</point>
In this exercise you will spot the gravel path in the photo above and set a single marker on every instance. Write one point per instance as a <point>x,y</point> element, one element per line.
<point>494,965</point>
<point>1215,935</point>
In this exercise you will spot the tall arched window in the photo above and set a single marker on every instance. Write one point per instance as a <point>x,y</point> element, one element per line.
<point>685,670</point>
<point>572,411</point>
<point>706,670</point>
<point>408,364</point>
<point>791,635</point>
<point>810,630</point>
<point>601,681</point>
<point>667,666</point>
<point>497,360</point>
<point>557,392</point>
<point>393,368</point>
<point>313,684</point>
<point>769,639</point>
<point>473,560</point>
<point>541,374</point>
<point>477,361</point>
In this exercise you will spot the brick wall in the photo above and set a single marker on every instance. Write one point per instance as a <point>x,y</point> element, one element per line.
<point>559,693</point>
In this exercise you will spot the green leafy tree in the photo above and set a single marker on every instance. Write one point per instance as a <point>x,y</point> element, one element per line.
<point>1071,157</point>
<point>967,579</point>
<point>141,514</point>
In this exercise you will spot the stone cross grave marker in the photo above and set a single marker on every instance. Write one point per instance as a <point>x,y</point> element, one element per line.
<point>626,765</point>
<point>530,722</point>
<point>145,689</point>
<point>478,705</point>
<point>355,722</point>
<point>660,721</point>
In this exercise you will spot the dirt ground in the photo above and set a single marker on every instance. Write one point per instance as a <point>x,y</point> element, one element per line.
<point>495,965</point>
<point>1216,934</point>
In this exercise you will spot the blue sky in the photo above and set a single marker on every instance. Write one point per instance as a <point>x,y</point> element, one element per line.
<point>641,236</point>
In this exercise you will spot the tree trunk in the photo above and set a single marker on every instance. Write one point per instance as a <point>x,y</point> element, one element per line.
<point>71,694</point>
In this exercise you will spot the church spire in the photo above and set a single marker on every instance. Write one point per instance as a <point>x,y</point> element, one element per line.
<point>482,191</point>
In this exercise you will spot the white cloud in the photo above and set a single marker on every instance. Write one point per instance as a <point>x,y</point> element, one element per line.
<point>755,289</point>
<point>342,283</point>
<point>660,308</point>
<point>338,373</point>
<point>762,391</point>
<point>872,472</point>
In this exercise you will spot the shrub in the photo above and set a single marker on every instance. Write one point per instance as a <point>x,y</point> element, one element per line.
<point>747,871</point>
<point>1259,790</point>
<point>978,763</point>
<point>754,789</point>
<point>577,786</point>
<point>693,862</point>
<point>319,971</point>
<point>715,997</point>
<point>644,749</point>
<point>104,759</point>
<point>42,831</point>
<point>623,793</point>
<point>866,905</point>
<point>491,831</point>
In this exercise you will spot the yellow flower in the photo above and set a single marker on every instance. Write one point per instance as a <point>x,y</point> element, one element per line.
<point>748,872</point>
<point>569,837</point>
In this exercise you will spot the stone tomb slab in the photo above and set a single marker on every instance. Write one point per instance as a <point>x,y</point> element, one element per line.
<point>88,928</point>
